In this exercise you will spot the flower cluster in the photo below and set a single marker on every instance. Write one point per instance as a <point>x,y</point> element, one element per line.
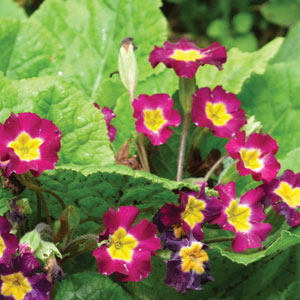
<point>125,249</point>
<point>181,232</point>
<point>19,279</point>
<point>28,143</point>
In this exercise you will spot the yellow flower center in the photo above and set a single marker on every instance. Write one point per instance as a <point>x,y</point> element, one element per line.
<point>154,119</point>
<point>26,147</point>
<point>186,55</point>
<point>193,211</point>
<point>2,246</point>
<point>193,258</point>
<point>122,245</point>
<point>15,285</point>
<point>216,112</point>
<point>251,159</point>
<point>178,230</point>
<point>238,216</point>
<point>289,195</point>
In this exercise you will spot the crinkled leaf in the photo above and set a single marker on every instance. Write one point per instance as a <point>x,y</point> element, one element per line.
<point>282,12</point>
<point>274,100</point>
<point>91,33</point>
<point>84,134</point>
<point>92,286</point>
<point>239,67</point>
<point>9,8</point>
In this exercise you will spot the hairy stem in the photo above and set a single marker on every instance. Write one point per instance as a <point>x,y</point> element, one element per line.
<point>45,207</point>
<point>185,128</point>
<point>143,152</point>
<point>214,167</point>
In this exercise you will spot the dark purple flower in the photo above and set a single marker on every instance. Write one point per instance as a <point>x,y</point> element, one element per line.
<point>195,208</point>
<point>108,116</point>
<point>189,267</point>
<point>20,281</point>
<point>8,242</point>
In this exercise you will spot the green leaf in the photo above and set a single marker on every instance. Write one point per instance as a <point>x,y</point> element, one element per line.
<point>91,33</point>
<point>84,135</point>
<point>273,99</point>
<point>290,48</point>
<point>10,9</point>
<point>282,12</point>
<point>114,186</point>
<point>5,195</point>
<point>289,159</point>
<point>239,67</point>
<point>90,285</point>
<point>242,22</point>
<point>27,49</point>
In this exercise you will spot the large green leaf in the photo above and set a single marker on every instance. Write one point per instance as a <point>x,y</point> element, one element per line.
<point>290,48</point>
<point>84,134</point>
<point>91,31</point>
<point>239,67</point>
<point>9,8</point>
<point>282,12</point>
<point>92,286</point>
<point>274,100</point>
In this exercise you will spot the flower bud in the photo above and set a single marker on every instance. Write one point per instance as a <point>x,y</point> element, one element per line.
<point>127,66</point>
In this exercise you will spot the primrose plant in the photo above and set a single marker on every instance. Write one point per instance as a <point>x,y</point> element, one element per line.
<point>179,233</point>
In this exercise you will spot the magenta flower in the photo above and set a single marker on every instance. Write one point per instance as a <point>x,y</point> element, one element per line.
<point>219,111</point>
<point>256,156</point>
<point>8,242</point>
<point>108,116</point>
<point>153,115</point>
<point>195,208</point>
<point>283,193</point>
<point>31,144</point>
<point>20,281</point>
<point>128,249</point>
<point>189,267</point>
<point>244,218</point>
<point>185,58</point>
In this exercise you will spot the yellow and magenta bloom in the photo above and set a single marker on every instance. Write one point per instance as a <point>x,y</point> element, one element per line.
<point>19,280</point>
<point>127,249</point>
<point>185,58</point>
<point>108,116</point>
<point>255,156</point>
<point>30,143</point>
<point>244,217</point>
<point>283,193</point>
<point>153,115</point>
<point>189,267</point>
<point>195,208</point>
<point>219,111</point>
<point>8,242</point>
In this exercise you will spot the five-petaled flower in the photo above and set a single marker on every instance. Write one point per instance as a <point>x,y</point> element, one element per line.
<point>219,111</point>
<point>19,280</point>
<point>185,58</point>
<point>8,242</point>
<point>108,116</point>
<point>188,267</point>
<point>28,143</point>
<point>128,249</point>
<point>244,218</point>
<point>153,114</point>
<point>256,156</point>
<point>195,208</point>
<point>283,193</point>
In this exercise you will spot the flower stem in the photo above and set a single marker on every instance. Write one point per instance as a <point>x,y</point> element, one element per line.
<point>218,240</point>
<point>185,128</point>
<point>144,158</point>
<point>214,167</point>
<point>45,207</point>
